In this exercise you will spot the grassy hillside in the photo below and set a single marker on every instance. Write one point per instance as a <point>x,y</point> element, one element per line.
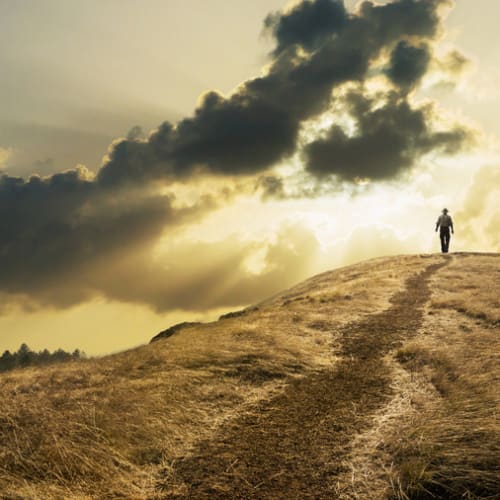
<point>398,357</point>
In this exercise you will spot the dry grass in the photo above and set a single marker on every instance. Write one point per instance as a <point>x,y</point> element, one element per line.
<point>439,436</point>
<point>372,473</point>
<point>458,449</point>
<point>105,428</point>
<point>452,449</point>
<point>470,287</point>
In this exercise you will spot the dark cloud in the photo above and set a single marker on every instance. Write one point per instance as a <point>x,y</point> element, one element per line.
<point>303,84</point>
<point>308,24</point>
<point>239,135</point>
<point>242,134</point>
<point>408,18</point>
<point>258,125</point>
<point>55,230</point>
<point>408,64</point>
<point>388,139</point>
<point>134,162</point>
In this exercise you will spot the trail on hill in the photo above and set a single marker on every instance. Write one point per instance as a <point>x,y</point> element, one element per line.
<point>296,444</point>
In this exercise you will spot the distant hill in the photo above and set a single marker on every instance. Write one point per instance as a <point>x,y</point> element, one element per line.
<point>377,380</point>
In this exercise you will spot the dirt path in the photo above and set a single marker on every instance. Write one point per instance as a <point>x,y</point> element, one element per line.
<point>295,445</point>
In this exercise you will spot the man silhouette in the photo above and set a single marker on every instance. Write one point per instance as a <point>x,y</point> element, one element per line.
<point>445,223</point>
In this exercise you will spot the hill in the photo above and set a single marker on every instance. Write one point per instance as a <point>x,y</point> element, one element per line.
<point>377,380</point>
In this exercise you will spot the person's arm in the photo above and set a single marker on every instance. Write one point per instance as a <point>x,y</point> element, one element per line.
<point>451,225</point>
<point>437,223</point>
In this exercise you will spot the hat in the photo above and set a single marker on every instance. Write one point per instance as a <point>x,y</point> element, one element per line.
<point>445,210</point>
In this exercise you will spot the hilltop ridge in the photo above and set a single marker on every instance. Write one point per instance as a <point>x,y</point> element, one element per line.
<point>377,380</point>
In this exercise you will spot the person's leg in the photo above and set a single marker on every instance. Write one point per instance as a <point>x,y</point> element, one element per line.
<point>442,238</point>
<point>446,235</point>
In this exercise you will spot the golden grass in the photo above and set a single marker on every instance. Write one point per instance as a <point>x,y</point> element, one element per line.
<point>105,428</point>
<point>458,452</point>
<point>470,287</point>
<point>372,473</point>
<point>439,436</point>
<point>452,449</point>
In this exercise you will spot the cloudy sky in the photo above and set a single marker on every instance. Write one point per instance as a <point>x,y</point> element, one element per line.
<point>170,160</point>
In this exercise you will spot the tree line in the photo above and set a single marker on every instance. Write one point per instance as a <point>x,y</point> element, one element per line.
<point>24,356</point>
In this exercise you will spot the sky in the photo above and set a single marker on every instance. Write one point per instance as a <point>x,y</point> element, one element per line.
<point>171,160</point>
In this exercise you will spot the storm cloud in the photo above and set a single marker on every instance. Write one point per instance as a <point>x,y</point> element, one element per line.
<point>408,64</point>
<point>55,230</point>
<point>388,138</point>
<point>239,135</point>
<point>319,46</point>
<point>307,24</point>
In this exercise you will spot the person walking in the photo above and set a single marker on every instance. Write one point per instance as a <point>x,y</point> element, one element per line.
<point>444,223</point>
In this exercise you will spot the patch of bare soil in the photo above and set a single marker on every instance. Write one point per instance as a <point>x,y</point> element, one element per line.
<point>296,445</point>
